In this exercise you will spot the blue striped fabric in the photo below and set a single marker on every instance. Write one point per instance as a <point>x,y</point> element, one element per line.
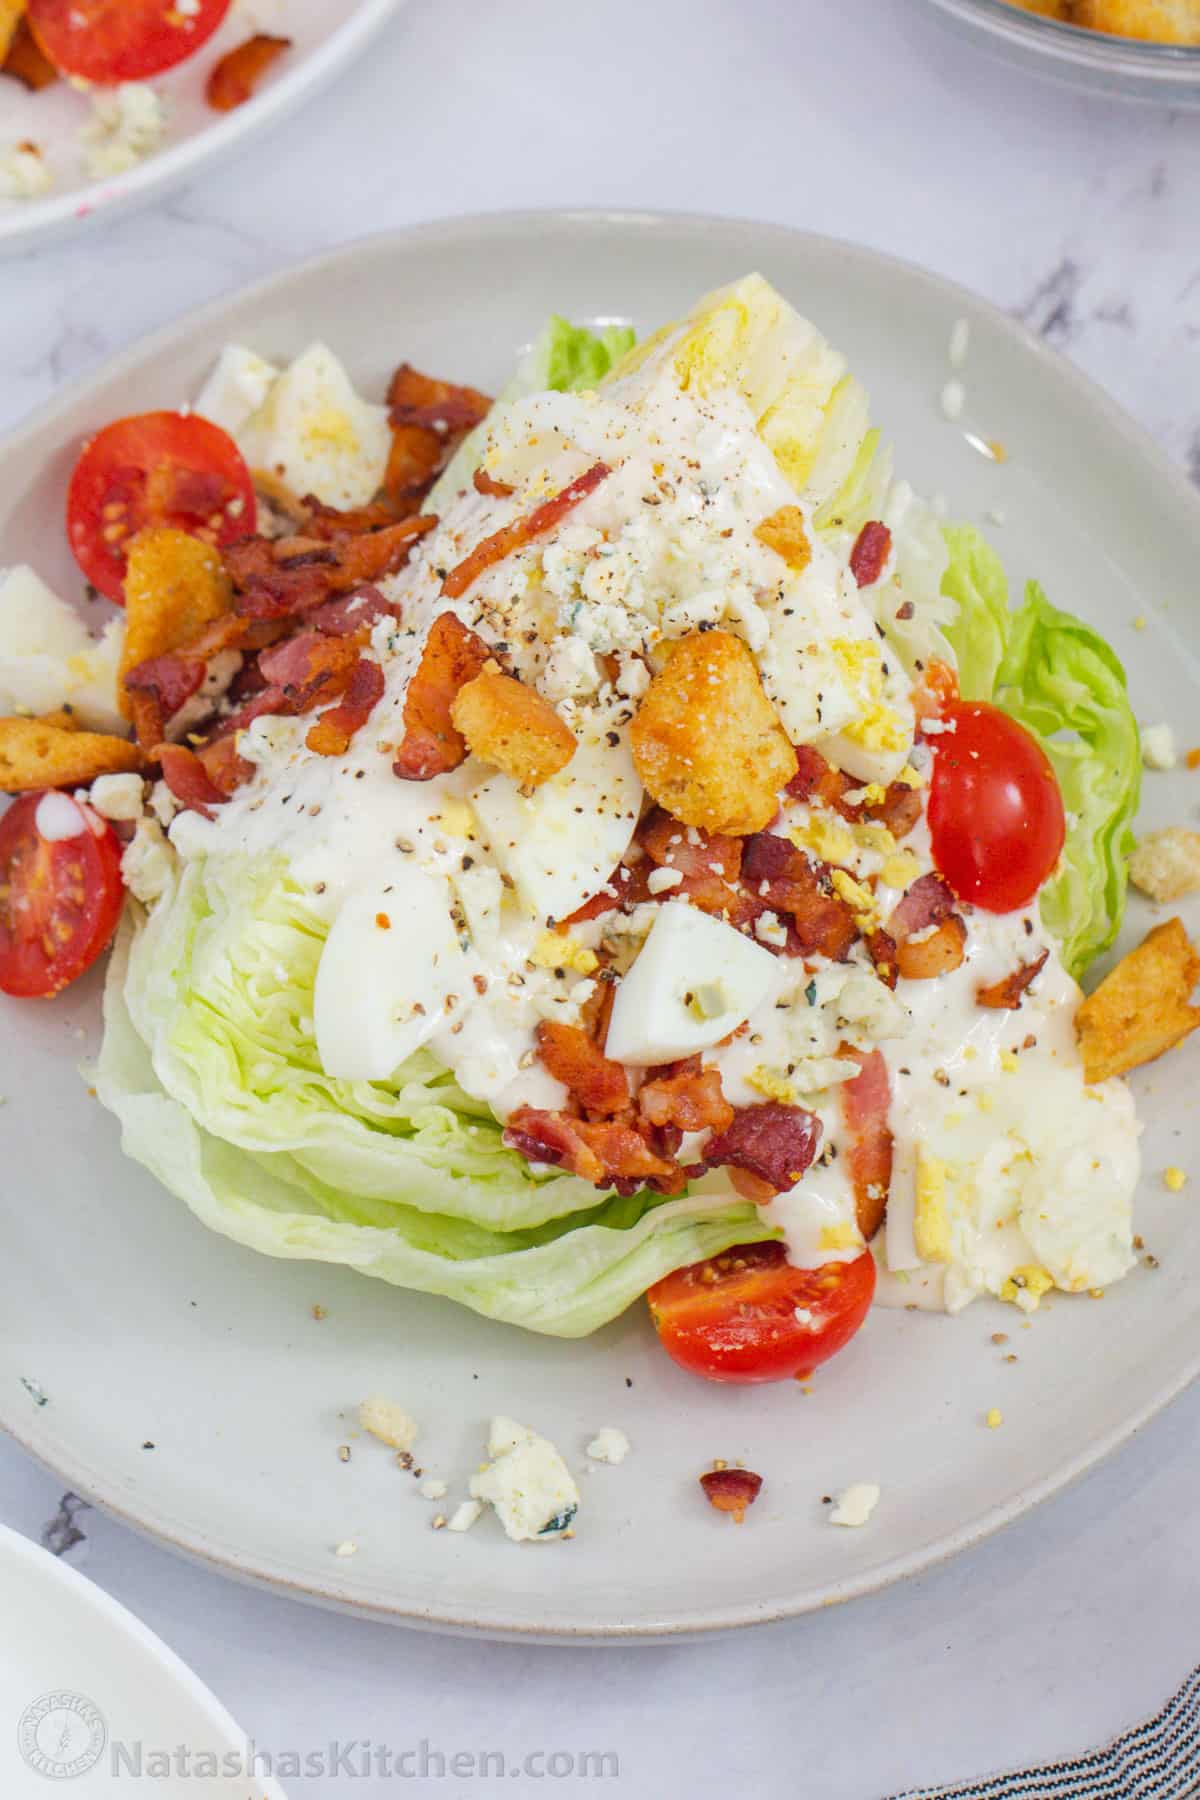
<point>1158,1760</point>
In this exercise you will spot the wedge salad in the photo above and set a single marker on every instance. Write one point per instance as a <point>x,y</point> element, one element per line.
<point>611,841</point>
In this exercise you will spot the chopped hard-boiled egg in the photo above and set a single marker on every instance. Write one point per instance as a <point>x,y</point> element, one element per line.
<point>237,387</point>
<point>48,659</point>
<point>391,969</point>
<point>313,434</point>
<point>560,844</point>
<point>695,980</point>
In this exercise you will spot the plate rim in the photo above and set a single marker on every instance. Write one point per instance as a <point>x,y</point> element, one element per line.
<point>26,227</point>
<point>491,1621</point>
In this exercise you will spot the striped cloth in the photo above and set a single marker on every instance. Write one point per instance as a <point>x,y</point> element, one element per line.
<point>1158,1760</point>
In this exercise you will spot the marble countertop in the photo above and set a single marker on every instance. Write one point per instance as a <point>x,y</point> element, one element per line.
<point>869,121</point>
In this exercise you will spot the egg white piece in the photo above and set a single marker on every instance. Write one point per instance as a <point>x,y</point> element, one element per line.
<point>237,387</point>
<point>695,980</point>
<point>48,659</point>
<point>390,965</point>
<point>313,434</point>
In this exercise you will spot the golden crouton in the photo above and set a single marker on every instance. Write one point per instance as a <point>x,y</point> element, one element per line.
<point>1166,864</point>
<point>34,754</point>
<point>706,740</point>
<point>510,725</point>
<point>784,532</point>
<point>11,14</point>
<point>1159,21</point>
<point>1141,1009</point>
<point>174,587</point>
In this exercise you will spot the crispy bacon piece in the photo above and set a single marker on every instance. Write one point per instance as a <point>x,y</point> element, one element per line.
<point>453,655</point>
<point>607,1153</point>
<point>309,666</point>
<point>324,522</point>
<point>433,405</point>
<point>779,874</point>
<point>691,1100</point>
<point>1012,989</point>
<point>927,902</point>
<point>864,1105</point>
<point>169,679</point>
<point>188,779</point>
<point>731,1490</point>
<point>487,484</point>
<point>709,863</point>
<point>599,1087</point>
<point>513,537</point>
<point>882,948</point>
<point>414,462</point>
<point>628,889</point>
<point>899,809</point>
<point>222,764</point>
<point>596,1010</point>
<point>359,611</point>
<point>236,76</point>
<point>922,958</point>
<point>773,1142</point>
<point>870,552</point>
<point>817,781</point>
<point>27,62</point>
<point>374,554</point>
<point>278,579</point>
<point>331,734</point>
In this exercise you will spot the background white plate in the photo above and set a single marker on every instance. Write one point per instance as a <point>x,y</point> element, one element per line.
<point>140,1327</point>
<point>109,1682</point>
<point>325,36</point>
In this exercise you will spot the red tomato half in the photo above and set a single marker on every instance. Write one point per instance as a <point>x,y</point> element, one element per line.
<point>733,1318</point>
<point>60,898</point>
<point>156,468</point>
<point>107,41</point>
<point>995,813</point>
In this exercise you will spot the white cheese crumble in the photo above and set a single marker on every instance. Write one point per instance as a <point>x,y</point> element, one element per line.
<point>527,1482</point>
<point>855,1504</point>
<point>388,1422</point>
<point>127,124</point>
<point>148,863</point>
<point>433,1490</point>
<point>117,796</point>
<point>24,173</point>
<point>609,1445</point>
<point>1158,747</point>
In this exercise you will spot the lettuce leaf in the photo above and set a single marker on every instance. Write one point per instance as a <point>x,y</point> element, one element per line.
<point>564,357</point>
<point>210,1064</point>
<point>1066,685</point>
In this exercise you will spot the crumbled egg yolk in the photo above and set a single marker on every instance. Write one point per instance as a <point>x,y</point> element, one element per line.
<point>995,1419</point>
<point>859,899</point>
<point>879,728</point>
<point>1009,1062</point>
<point>331,426</point>
<point>1174,1179</point>
<point>931,1226</point>
<point>554,952</point>
<point>826,837</point>
<point>456,818</point>
<point>1025,1287</point>
<point>840,1237</point>
<point>900,870</point>
<point>772,1084</point>
<point>909,778</point>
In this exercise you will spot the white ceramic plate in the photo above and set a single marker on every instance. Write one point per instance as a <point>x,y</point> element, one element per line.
<point>139,1326</point>
<point>324,39</point>
<point>86,1690</point>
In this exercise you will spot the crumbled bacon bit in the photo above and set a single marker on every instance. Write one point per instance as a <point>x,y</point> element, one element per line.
<point>487,484</point>
<point>431,745</point>
<point>690,1100</point>
<point>864,1105</point>
<point>1010,991</point>
<point>514,537</point>
<point>607,1153</point>
<point>188,780</point>
<point>358,611</point>
<point>773,1142</point>
<point>816,780</point>
<point>783,879</point>
<point>731,1490</point>
<point>927,902</point>
<point>923,958</point>
<point>169,679</point>
<point>870,552</point>
<point>600,1087</point>
<point>331,734</point>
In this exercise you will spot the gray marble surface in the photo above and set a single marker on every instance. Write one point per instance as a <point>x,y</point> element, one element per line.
<point>864,120</point>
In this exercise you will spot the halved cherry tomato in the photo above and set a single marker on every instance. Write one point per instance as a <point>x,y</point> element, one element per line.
<point>156,468</point>
<point>107,41</point>
<point>60,897</point>
<point>996,815</point>
<point>748,1315</point>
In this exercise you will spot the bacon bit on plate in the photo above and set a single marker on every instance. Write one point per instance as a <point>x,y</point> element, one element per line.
<point>236,77</point>
<point>1011,990</point>
<point>870,552</point>
<point>596,1084</point>
<point>523,531</point>
<point>690,1100</point>
<point>818,780</point>
<point>331,734</point>
<point>773,1142</point>
<point>431,745</point>
<point>487,484</point>
<point>27,62</point>
<point>359,611</point>
<point>429,420</point>
<point>607,1153</point>
<point>731,1490</point>
<point>188,779</point>
<point>864,1104</point>
<point>823,923</point>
